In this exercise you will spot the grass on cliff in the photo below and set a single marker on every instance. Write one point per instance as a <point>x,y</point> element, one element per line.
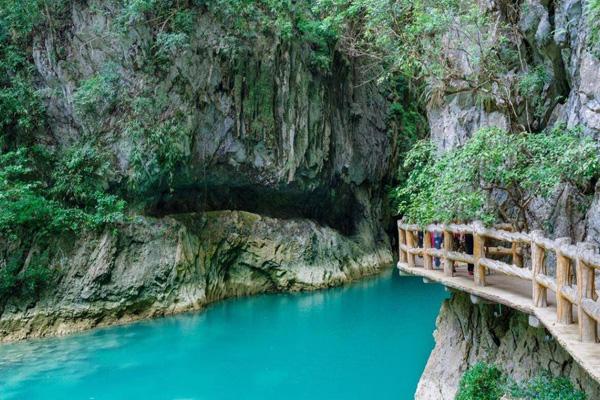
<point>487,382</point>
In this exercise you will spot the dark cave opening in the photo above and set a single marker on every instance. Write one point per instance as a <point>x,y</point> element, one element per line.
<point>337,207</point>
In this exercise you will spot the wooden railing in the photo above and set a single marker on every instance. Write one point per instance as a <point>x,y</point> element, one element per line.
<point>573,279</point>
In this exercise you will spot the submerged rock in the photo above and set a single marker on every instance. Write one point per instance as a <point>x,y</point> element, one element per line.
<point>156,267</point>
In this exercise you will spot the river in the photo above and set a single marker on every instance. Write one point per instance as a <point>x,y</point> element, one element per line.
<point>368,340</point>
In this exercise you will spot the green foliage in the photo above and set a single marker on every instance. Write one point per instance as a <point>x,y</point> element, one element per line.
<point>27,282</point>
<point>481,382</point>
<point>531,85</point>
<point>163,138</point>
<point>464,184</point>
<point>592,9</point>
<point>21,107</point>
<point>96,96</point>
<point>487,382</point>
<point>545,387</point>
<point>34,203</point>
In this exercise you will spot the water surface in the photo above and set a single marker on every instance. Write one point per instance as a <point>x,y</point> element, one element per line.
<point>369,340</point>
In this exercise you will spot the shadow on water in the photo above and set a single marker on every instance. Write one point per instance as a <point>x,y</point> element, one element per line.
<point>369,339</point>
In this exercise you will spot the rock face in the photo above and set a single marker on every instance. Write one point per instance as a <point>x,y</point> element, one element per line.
<point>556,36</point>
<point>163,266</point>
<point>220,123</point>
<point>254,125</point>
<point>467,333</point>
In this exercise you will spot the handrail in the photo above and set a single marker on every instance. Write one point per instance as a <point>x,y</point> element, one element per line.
<point>573,281</point>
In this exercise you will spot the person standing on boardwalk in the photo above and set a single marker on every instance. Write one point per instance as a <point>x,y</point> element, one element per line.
<point>469,250</point>
<point>436,242</point>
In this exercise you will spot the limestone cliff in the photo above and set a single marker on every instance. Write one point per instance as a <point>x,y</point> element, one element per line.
<point>553,37</point>
<point>163,266</point>
<point>467,333</point>
<point>223,120</point>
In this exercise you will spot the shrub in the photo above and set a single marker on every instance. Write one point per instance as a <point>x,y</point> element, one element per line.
<point>481,382</point>
<point>32,202</point>
<point>546,387</point>
<point>593,18</point>
<point>486,382</point>
<point>494,175</point>
<point>17,281</point>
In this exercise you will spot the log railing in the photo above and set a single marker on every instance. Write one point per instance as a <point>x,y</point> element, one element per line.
<point>572,281</point>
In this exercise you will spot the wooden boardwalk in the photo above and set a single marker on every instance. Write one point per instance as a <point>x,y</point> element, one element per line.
<point>531,289</point>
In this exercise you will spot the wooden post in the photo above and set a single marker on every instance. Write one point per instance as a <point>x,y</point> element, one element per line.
<point>539,292</point>
<point>427,259</point>
<point>517,257</point>
<point>410,244</point>
<point>478,254</point>
<point>564,308</point>
<point>401,242</point>
<point>588,330</point>
<point>448,246</point>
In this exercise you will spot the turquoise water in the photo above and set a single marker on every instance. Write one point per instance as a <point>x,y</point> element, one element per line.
<point>369,340</point>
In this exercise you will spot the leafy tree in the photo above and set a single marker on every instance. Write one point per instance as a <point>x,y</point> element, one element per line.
<point>71,198</point>
<point>495,175</point>
<point>481,382</point>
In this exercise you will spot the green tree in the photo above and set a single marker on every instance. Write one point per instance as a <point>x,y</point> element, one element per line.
<point>495,175</point>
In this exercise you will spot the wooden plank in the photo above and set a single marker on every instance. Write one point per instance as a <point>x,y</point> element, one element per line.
<point>499,251</point>
<point>511,270</point>
<point>503,235</point>
<point>516,294</point>
<point>516,254</point>
<point>539,292</point>
<point>479,253</point>
<point>427,259</point>
<point>410,227</point>
<point>416,251</point>
<point>401,243</point>
<point>570,293</point>
<point>591,308</point>
<point>410,244</point>
<point>538,238</point>
<point>591,259</point>
<point>448,246</point>
<point>588,331</point>
<point>435,252</point>
<point>564,304</point>
<point>546,281</point>
<point>461,257</point>
<point>458,228</point>
<point>569,251</point>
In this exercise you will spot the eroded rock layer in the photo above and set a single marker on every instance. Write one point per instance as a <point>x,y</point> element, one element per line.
<point>163,266</point>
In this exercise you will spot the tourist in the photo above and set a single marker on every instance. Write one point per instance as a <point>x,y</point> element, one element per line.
<point>436,241</point>
<point>469,250</point>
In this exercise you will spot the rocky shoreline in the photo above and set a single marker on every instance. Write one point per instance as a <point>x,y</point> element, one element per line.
<point>158,267</point>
